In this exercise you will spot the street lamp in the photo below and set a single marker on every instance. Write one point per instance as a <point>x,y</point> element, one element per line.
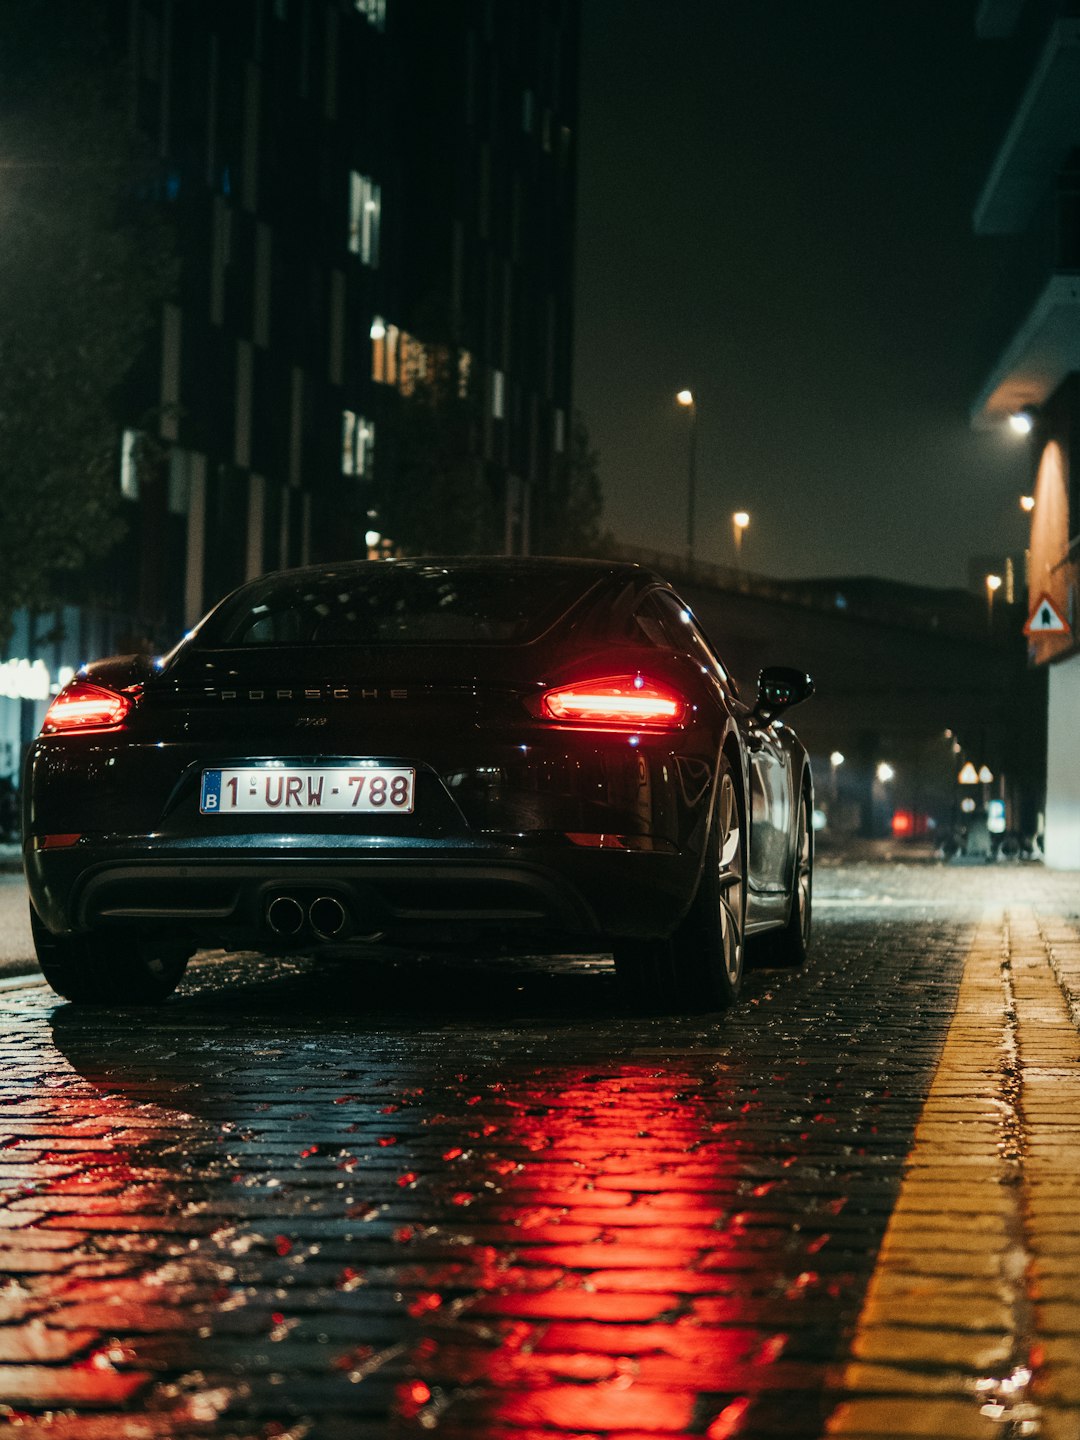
<point>1027,502</point>
<point>1022,422</point>
<point>993,585</point>
<point>884,773</point>
<point>739,521</point>
<point>685,398</point>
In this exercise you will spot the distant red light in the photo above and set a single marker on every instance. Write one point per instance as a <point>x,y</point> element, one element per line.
<point>910,824</point>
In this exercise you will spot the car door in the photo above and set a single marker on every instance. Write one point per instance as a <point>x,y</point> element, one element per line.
<point>770,770</point>
<point>770,808</point>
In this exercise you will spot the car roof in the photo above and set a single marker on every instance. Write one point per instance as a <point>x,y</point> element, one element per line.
<point>597,568</point>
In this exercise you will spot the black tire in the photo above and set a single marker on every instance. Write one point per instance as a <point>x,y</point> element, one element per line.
<point>108,969</point>
<point>700,966</point>
<point>788,948</point>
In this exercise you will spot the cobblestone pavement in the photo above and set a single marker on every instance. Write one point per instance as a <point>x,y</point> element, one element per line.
<point>381,1196</point>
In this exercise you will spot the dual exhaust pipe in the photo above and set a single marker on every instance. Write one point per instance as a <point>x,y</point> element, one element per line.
<point>326,917</point>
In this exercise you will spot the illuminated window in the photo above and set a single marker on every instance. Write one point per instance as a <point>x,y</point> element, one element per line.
<point>378,349</point>
<point>129,464</point>
<point>365,213</point>
<point>413,363</point>
<point>373,11</point>
<point>464,371</point>
<point>498,394</point>
<point>385,340</point>
<point>357,445</point>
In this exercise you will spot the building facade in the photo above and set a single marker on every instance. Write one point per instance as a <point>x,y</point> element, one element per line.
<point>373,204</point>
<point>1032,194</point>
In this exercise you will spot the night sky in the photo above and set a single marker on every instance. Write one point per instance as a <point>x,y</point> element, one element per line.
<point>775,210</point>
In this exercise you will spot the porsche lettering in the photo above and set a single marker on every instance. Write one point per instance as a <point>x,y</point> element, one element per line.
<point>329,692</point>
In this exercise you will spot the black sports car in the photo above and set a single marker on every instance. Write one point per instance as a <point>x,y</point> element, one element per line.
<point>543,753</point>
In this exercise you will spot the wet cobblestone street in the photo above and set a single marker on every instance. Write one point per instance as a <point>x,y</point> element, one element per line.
<point>393,1195</point>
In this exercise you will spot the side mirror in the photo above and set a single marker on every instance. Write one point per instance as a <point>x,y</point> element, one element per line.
<point>780,687</point>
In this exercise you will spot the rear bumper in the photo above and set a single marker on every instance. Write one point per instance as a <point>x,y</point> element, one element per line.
<point>547,887</point>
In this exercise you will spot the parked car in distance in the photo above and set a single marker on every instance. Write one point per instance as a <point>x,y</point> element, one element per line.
<point>536,752</point>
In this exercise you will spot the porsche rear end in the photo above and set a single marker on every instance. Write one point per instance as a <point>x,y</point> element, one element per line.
<point>277,794</point>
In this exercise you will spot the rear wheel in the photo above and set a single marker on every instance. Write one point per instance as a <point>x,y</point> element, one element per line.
<point>700,966</point>
<point>108,969</point>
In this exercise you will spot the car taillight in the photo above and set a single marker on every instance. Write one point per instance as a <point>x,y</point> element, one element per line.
<point>621,701</point>
<point>82,706</point>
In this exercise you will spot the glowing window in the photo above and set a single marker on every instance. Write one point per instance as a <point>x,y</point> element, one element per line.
<point>129,464</point>
<point>385,342</point>
<point>373,11</point>
<point>365,216</point>
<point>357,445</point>
<point>498,394</point>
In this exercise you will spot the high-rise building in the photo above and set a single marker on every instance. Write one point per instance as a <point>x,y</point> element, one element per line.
<point>1032,193</point>
<point>371,194</point>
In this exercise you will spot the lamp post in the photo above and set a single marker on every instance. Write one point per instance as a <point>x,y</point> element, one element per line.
<point>739,521</point>
<point>685,398</point>
<point>836,759</point>
<point>993,585</point>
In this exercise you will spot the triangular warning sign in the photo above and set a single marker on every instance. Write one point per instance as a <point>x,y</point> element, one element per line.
<point>1046,619</point>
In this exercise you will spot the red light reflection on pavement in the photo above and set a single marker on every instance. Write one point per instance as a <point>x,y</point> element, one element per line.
<point>562,1251</point>
<point>605,1205</point>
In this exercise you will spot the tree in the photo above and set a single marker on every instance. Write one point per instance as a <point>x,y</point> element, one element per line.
<point>436,499</point>
<point>574,503</point>
<point>86,259</point>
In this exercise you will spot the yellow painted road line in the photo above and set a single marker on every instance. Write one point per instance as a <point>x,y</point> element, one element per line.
<point>971,1322</point>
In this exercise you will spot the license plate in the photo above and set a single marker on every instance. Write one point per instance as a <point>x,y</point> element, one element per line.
<point>300,791</point>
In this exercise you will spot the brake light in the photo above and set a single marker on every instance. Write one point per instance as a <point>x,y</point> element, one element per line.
<point>82,706</point>
<point>622,701</point>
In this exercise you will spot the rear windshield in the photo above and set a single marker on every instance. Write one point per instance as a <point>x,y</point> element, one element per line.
<point>394,604</point>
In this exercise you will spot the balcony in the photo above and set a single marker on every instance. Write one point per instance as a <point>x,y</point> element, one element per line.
<point>1043,351</point>
<point>1045,128</point>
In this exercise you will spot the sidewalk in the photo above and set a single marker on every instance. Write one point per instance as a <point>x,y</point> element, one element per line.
<point>970,1326</point>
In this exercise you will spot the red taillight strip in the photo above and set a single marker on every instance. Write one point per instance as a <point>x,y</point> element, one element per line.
<point>82,706</point>
<point>624,701</point>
